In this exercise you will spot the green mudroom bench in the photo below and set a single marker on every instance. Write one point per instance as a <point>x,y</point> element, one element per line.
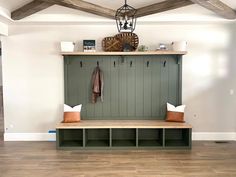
<point>115,134</point>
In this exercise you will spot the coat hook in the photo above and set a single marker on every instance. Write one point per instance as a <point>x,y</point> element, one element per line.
<point>97,63</point>
<point>147,63</point>
<point>164,63</point>
<point>131,63</point>
<point>114,64</point>
<point>81,64</point>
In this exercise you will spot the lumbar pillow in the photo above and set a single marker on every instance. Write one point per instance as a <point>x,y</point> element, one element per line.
<point>175,114</point>
<point>72,114</point>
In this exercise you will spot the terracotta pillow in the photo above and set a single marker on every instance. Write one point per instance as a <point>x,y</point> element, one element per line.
<point>175,114</point>
<point>71,114</point>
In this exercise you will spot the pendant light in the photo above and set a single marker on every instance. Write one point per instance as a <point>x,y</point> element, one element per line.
<point>125,18</point>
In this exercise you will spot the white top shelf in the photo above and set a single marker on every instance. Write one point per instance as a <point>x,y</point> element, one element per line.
<point>159,52</point>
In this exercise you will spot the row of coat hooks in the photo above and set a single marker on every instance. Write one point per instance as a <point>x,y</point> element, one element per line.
<point>130,64</point>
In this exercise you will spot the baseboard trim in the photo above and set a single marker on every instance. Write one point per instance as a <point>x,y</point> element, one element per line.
<point>29,136</point>
<point>198,136</point>
<point>214,136</point>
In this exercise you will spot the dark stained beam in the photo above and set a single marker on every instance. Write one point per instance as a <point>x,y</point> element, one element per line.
<point>86,7</point>
<point>161,7</point>
<point>218,7</point>
<point>29,9</point>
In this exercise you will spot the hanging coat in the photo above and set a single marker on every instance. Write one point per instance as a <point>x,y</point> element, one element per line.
<point>97,84</point>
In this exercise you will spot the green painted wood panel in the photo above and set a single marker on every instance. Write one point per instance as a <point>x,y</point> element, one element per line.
<point>135,87</point>
<point>131,98</point>
<point>139,90</point>
<point>147,87</point>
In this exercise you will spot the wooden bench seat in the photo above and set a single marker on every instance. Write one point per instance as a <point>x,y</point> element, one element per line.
<point>123,124</point>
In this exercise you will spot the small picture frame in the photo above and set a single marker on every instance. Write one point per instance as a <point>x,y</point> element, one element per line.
<point>89,45</point>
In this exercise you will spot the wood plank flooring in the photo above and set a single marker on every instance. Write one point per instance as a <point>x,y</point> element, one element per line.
<point>41,159</point>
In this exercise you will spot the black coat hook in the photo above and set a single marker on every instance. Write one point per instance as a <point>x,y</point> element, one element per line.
<point>97,63</point>
<point>81,64</point>
<point>131,63</point>
<point>114,64</point>
<point>147,63</point>
<point>164,64</point>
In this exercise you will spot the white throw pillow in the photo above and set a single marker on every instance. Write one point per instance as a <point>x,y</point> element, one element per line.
<point>76,108</point>
<point>172,108</point>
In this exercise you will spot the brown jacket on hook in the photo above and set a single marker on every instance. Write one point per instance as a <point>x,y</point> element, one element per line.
<point>97,84</point>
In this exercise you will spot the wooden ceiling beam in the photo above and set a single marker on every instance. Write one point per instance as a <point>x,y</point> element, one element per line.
<point>29,9</point>
<point>161,7</point>
<point>86,7</point>
<point>218,7</point>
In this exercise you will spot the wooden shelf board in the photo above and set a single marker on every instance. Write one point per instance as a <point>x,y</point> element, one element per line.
<point>146,143</point>
<point>122,124</point>
<point>71,143</point>
<point>97,143</point>
<point>158,52</point>
<point>124,143</point>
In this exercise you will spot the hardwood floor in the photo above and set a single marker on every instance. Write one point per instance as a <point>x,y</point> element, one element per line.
<point>36,159</point>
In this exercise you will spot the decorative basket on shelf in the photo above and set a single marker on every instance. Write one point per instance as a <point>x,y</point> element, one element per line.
<point>120,42</point>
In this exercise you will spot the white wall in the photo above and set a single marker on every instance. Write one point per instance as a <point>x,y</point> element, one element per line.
<point>33,71</point>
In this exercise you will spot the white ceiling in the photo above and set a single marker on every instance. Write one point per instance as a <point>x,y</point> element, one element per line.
<point>63,14</point>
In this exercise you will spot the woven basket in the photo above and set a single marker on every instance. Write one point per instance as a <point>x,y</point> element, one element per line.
<point>111,44</point>
<point>128,38</point>
<point>120,41</point>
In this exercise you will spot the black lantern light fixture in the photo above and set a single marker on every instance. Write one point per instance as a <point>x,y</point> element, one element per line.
<point>125,18</point>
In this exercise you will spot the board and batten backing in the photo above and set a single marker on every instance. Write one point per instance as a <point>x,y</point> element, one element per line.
<point>135,87</point>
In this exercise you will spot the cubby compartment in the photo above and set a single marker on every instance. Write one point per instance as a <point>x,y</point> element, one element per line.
<point>150,137</point>
<point>123,137</point>
<point>97,137</point>
<point>70,137</point>
<point>177,137</point>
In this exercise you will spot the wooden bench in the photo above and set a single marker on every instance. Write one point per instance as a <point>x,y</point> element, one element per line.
<point>111,134</point>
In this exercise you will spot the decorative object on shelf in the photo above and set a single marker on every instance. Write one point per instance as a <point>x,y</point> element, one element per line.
<point>72,114</point>
<point>179,46</point>
<point>142,48</point>
<point>67,46</point>
<point>89,45</point>
<point>121,42</point>
<point>128,40</point>
<point>125,18</point>
<point>111,44</point>
<point>162,46</point>
<point>175,114</point>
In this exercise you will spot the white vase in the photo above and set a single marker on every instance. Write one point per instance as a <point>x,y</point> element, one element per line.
<point>179,46</point>
<point>67,46</point>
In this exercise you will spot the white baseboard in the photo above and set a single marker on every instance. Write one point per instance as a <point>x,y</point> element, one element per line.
<point>29,136</point>
<point>211,136</point>
<point>214,136</point>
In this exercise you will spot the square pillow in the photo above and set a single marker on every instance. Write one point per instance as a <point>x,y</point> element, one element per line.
<point>175,114</point>
<point>72,114</point>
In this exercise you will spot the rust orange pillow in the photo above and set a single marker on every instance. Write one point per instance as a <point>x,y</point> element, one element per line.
<point>71,114</point>
<point>175,114</point>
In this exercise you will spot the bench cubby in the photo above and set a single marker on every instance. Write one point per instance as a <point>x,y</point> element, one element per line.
<point>70,137</point>
<point>150,137</point>
<point>97,137</point>
<point>123,137</point>
<point>177,137</point>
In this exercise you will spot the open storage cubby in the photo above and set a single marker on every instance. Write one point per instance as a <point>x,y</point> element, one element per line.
<point>150,137</point>
<point>123,137</point>
<point>177,137</point>
<point>97,137</point>
<point>70,137</point>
